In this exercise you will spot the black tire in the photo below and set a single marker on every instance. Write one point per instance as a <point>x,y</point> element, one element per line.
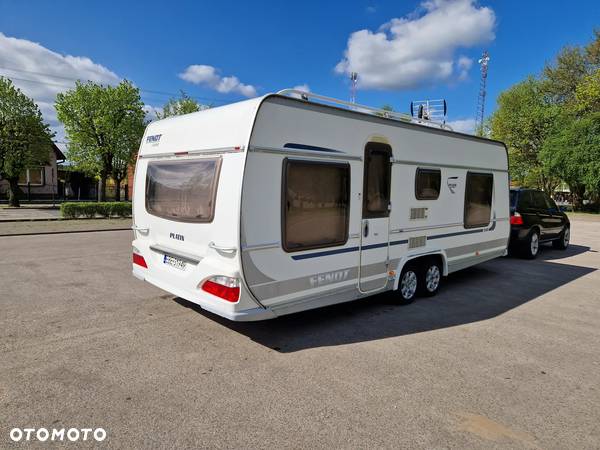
<point>531,246</point>
<point>430,277</point>
<point>563,240</point>
<point>408,285</point>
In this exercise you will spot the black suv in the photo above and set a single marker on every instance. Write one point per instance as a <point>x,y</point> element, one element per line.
<point>535,219</point>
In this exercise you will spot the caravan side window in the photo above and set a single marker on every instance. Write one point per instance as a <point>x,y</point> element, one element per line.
<point>427,184</point>
<point>478,199</point>
<point>316,204</point>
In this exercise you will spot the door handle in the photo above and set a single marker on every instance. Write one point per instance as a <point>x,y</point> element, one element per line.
<point>219,248</point>
<point>366,229</point>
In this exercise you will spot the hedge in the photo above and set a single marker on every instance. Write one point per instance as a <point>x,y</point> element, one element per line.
<point>73,210</point>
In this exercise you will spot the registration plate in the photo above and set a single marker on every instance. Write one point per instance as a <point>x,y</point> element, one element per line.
<point>174,262</point>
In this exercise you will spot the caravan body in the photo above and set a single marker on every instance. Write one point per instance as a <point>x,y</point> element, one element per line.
<point>277,204</point>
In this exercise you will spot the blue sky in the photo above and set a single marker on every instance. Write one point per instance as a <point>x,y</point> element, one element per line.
<point>229,50</point>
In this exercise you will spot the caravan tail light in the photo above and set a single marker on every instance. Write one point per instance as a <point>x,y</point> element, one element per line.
<point>516,219</point>
<point>223,287</point>
<point>139,259</point>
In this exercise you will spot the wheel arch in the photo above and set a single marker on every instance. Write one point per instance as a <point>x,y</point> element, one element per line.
<point>440,255</point>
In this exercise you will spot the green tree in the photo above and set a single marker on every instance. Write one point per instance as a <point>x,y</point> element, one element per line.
<point>562,77</point>
<point>572,151</point>
<point>523,120</point>
<point>571,67</point>
<point>104,125</point>
<point>587,94</point>
<point>25,140</point>
<point>592,51</point>
<point>182,105</point>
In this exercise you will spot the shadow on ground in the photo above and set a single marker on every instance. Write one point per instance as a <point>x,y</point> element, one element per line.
<point>471,295</point>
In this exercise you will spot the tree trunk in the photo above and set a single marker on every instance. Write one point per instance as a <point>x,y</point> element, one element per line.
<point>13,192</point>
<point>577,192</point>
<point>117,190</point>
<point>102,190</point>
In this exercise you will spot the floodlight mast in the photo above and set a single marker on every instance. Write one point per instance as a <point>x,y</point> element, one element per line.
<point>480,114</point>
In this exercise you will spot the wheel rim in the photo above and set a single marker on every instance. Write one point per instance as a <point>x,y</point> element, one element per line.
<point>566,237</point>
<point>408,286</point>
<point>432,278</point>
<point>535,244</point>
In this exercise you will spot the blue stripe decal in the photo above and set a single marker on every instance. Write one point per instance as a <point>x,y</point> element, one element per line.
<point>347,250</point>
<point>310,147</point>
<point>380,245</point>
<point>441,236</point>
<point>326,253</point>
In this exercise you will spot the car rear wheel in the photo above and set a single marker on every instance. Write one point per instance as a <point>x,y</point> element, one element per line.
<point>531,246</point>
<point>563,240</point>
<point>430,278</point>
<point>408,285</point>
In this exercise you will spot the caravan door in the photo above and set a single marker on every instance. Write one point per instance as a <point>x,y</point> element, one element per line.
<point>374,242</point>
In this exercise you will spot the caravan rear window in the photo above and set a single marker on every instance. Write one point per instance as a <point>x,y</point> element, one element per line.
<point>315,204</point>
<point>183,190</point>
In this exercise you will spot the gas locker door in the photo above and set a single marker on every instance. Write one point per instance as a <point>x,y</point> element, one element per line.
<point>374,243</point>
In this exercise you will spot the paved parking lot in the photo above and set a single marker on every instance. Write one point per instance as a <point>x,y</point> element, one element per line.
<point>507,356</point>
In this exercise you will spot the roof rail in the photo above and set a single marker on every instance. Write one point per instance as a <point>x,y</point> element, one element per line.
<point>402,117</point>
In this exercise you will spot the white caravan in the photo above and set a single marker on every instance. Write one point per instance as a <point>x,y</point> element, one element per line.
<point>294,201</point>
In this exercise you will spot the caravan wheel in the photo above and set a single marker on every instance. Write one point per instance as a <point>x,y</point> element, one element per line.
<point>430,277</point>
<point>407,287</point>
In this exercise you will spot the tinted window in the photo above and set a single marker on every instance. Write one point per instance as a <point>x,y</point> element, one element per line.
<point>525,201</point>
<point>478,199</point>
<point>182,190</point>
<point>376,189</point>
<point>513,198</point>
<point>427,184</point>
<point>316,204</point>
<point>550,202</point>
<point>539,200</point>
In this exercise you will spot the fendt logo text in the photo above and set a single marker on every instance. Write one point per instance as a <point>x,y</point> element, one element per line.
<point>54,434</point>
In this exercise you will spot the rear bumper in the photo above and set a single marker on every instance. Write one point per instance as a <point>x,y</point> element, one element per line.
<point>224,310</point>
<point>519,234</point>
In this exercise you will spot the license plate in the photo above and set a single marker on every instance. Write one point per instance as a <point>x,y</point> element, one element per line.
<point>174,262</point>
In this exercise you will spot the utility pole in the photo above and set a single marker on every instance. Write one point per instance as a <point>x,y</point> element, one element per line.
<point>480,114</point>
<point>353,80</point>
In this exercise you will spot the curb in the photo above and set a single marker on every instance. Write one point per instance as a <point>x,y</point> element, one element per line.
<point>64,232</point>
<point>31,220</point>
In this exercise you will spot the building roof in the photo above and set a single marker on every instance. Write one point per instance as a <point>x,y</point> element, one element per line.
<point>60,156</point>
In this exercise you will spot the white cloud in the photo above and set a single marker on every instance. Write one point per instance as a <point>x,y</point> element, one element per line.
<point>209,76</point>
<point>50,73</point>
<point>420,48</point>
<point>152,112</point>
<point>302,87</point>
<point>464,64</point>
<point>463,125</point>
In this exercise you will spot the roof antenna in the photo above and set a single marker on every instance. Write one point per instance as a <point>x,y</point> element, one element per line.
<point>483,62</point>
<point>353,80</point>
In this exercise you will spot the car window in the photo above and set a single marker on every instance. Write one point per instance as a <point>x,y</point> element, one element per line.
<point>539,200</point>
<point>513,198</point>
<point>525,200</point>
<point>550,202</point>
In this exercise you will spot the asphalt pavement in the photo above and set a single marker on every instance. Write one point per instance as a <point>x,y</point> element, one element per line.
<point>506,356</point>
